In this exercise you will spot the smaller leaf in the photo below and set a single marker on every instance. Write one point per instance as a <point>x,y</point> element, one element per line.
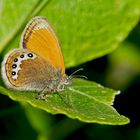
<point>84,100</point>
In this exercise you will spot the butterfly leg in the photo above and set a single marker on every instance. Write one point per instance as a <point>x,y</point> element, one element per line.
<point>43,95</point>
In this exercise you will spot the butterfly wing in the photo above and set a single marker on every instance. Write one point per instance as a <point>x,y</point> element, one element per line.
<point>39,38</point>
<point>25,70</point>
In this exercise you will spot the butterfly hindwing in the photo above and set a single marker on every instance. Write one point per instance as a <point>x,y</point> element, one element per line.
<point>25,70</point>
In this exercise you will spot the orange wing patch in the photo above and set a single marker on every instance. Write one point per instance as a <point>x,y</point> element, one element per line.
<point>40,39</point>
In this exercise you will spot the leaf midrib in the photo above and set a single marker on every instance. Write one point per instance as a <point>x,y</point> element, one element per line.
<point>91,97</point>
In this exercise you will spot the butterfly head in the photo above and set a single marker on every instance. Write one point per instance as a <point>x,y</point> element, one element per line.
<point>67,80</point>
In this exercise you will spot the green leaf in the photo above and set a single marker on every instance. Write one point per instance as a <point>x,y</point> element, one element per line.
<point>90,29</point>
<point>85,28</point>
<point>13,15</point>
<point>84,100</point>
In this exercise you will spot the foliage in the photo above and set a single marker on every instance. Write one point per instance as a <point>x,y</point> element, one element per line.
<point>86,30</point>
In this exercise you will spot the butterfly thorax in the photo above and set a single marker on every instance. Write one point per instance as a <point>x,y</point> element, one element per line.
<point>57,84</point>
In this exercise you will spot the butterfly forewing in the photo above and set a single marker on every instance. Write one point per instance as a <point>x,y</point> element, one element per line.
<point>40,39</point>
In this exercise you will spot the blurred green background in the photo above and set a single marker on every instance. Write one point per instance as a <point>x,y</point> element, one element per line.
<point>95,36</point>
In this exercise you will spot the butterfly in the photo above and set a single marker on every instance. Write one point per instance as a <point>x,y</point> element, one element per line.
<point>38,65</point>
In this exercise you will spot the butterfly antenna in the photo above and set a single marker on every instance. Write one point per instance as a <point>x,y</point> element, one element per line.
<point>81,76</point>
<point>76,72</point>
<point>74,76</point>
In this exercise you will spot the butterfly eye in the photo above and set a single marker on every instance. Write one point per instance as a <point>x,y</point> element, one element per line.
<point>30,55</point>
<point>61,87</point>
<point>22,56</point>
<point>14,66</point>
<point>13,73</point>
<point>15,60</point>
